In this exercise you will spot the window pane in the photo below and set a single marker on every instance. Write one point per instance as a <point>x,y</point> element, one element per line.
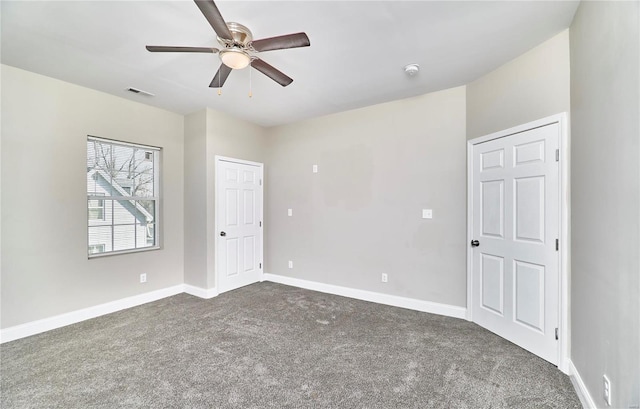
<point>148,208</point>
<point>92,185</point>
<point>96,214</point>
<point>98,155</point>
<point>95,208</point>
<point>124,237</point>
<point>143,178</point>
<point>144,184</point>
<point>124,170</point>
<point>100,236</point>
<point>108,211</point>
<point>99,174</point>
<point>99,211</point>
<point>134,173</point>
<point>125,212</point>
<point>123,158</point>
<point>122,184</point>
<point>145,235</point>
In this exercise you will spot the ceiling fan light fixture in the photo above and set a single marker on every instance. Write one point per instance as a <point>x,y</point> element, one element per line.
<point>235,58</point>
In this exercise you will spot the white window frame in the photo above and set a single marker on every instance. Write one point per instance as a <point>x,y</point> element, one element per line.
<point>157,163</point>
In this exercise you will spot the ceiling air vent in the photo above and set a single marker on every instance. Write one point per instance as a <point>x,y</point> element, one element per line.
<point>139,91</point>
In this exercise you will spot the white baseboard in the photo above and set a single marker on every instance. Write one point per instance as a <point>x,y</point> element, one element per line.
<point>62,320</point>
<point>205,293</point>
<point>393,300</point>
<point>581,388</point>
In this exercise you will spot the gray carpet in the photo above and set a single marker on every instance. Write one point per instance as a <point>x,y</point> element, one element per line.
<point>273,346</point>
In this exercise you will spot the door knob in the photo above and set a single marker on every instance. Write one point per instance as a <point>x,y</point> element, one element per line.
<point>223,233</point>
<point>475,243</point>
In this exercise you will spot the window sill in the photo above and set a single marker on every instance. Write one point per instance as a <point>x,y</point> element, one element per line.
<point>117,253</point>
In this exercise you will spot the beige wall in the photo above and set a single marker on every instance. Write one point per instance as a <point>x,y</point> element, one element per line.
<point>605,285</point>
<point>45,270</point>
<point>360,215</point>
<point>235,138</point>
<point>195,199</point>
<point>533,86</point>
<point>209,133</point>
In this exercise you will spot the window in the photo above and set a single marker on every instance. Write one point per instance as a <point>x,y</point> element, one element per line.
<point>122,196</point>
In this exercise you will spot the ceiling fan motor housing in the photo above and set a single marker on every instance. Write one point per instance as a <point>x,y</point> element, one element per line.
<point>241,36</point>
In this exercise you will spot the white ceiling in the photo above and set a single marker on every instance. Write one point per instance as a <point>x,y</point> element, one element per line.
<point>357,54</point>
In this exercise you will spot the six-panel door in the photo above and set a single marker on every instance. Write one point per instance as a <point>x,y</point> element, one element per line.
<point>516,221</point>
<point>238,222</point>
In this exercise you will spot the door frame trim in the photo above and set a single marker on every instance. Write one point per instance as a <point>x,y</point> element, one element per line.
<point>564,228</point>
<point>217,160</point>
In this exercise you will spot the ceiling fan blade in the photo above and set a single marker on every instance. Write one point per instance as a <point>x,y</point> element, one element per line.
<point>281,42</point>
<point>271,72</point>
<point>221,76</point>
<point>213,16</point>
<point>169,49</point>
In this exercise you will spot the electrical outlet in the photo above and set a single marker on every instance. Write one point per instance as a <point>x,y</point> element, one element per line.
<point>606,389</point>
<point>143,278</point>
<point>385,278</point>
<point>290,264</point>
<point>289,212</point>
<point>315,168</point>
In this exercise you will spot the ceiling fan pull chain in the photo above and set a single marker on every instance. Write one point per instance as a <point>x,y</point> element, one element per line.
<point>219,86</point>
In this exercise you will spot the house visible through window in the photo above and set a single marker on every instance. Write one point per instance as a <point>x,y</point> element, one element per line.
<point>122,196</point>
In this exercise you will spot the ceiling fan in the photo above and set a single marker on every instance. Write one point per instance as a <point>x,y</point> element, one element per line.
<point>238,47</point>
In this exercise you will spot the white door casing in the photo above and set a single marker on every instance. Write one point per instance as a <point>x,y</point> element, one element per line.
<point>515,274</point>
<point>239,199</point>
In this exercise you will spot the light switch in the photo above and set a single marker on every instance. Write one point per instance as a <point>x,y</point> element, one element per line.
<point>289,212</point>
<point>315,168</point>
<point>427,213</point>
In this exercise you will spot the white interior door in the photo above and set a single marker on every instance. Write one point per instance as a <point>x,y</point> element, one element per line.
<point>515,221</point>
<point>238,223</point>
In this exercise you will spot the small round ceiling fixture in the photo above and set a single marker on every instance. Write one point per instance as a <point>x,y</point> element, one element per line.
<point>411,70</point>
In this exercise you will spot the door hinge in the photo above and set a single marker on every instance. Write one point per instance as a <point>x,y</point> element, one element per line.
<point>260,182</point>
<point>260,223</point>
<point>557,244</point>
<point>557,155</point>
<point>261,267</point>
<point>556,334</point>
